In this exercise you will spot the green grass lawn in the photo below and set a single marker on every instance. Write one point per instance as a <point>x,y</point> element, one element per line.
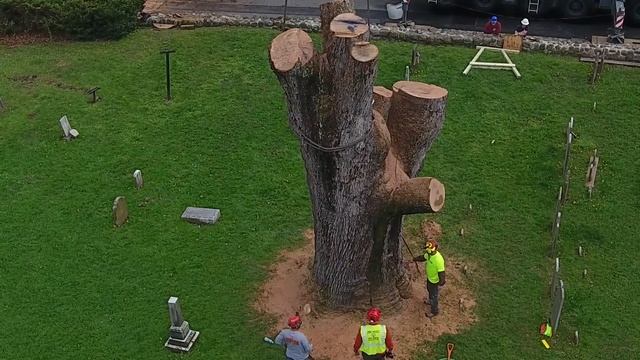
<point>73,287</point>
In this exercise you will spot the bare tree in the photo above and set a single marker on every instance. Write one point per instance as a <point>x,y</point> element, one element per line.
<point>361,156</point>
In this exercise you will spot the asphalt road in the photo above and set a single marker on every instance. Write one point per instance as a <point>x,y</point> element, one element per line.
<point>418,12</point>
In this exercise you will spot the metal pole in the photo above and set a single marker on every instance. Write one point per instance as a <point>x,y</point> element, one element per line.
<point>284,18</point>
<point>167,65</point>
<point>368,14</point>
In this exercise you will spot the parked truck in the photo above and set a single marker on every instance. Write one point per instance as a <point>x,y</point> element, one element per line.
<point>568,9</point>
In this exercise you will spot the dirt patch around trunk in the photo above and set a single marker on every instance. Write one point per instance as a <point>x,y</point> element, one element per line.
<point>289,288</point>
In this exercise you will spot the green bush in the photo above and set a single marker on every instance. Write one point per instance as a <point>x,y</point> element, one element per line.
<point>79,19</point>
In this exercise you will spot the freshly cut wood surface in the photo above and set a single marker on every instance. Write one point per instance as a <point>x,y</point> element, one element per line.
<point>348,25</point>
<point>363,51</point>
<point>289,48</point>
<point>419,90</point>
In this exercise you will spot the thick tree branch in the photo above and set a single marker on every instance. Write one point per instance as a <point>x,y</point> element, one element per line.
<point>382,97</point>
<point>415,119</point>
<point>290,48</point>
<point>418,195</point>
<point>330,10</point>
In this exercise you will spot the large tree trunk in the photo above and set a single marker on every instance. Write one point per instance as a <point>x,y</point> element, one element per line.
<point>361,157</point>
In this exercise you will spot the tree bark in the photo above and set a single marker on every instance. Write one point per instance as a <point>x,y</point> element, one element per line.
<point>360,157</point>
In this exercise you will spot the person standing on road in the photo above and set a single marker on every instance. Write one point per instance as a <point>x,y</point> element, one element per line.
<point>523,28</point>
<point>373,340</point>
<point>493,26</point>
<point>434,268</point>
<point>297,347</point>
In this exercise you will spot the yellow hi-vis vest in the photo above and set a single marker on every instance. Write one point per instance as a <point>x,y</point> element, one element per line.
<point>373,337</point>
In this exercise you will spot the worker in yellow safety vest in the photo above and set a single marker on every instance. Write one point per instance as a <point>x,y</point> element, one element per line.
<point>434,268</point>
<point>373,341</point>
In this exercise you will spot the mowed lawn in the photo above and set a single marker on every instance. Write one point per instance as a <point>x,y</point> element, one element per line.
<point>74,287</point>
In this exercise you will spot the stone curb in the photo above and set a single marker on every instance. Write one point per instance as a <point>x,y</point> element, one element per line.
<point>418,33</point>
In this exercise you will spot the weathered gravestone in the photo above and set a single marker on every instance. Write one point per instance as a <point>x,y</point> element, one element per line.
<point>181,337</point>
<point>137,175</point>
<point>67,131</point>
<point>202,216</point>
<point>120,211</point>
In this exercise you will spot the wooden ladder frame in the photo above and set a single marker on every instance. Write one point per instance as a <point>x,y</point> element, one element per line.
<point>509,65</point>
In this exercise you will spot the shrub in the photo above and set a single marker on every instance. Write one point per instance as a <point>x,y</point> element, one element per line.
<point>80,19</point>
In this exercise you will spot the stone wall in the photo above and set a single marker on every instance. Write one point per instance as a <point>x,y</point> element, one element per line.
<point>419,34</point>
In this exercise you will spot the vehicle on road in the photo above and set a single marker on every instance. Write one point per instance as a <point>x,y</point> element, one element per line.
<point>566,9</point>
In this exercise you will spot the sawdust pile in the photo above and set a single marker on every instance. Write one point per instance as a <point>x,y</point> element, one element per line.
<point>332,334</point>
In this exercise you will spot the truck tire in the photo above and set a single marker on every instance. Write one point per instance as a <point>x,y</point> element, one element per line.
<point>577,8</point>
<point>633,12</point>
<point>486,6</point>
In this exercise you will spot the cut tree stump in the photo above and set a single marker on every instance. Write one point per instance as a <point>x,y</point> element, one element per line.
<point>362,147</point>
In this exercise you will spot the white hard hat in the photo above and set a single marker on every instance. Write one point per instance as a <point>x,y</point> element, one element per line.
<point>525,22</point>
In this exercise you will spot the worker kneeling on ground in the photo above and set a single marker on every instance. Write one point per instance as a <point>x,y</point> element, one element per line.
<point>373,340</point>
<point>434,267</point>
<point>296,344</point>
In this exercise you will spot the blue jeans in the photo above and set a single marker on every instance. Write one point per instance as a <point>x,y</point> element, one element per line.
<point>432,290</point>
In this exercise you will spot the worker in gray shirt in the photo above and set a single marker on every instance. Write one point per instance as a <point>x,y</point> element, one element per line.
<point>296,344</point>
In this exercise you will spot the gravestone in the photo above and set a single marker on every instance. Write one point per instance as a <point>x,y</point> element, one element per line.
<point>67,132</point>
<point>181,337</point>
<point>120,211</point>
<point>201,216</point>
<point>137,175</point>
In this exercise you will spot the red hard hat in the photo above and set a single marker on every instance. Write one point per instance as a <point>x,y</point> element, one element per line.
<point>295,322</point>
<point>374,314</point>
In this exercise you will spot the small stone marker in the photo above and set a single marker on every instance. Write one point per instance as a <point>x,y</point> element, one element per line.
<point>93,92</point>
<point>584,273</point>
<point>580,251</point>
<point>407,73</point>
<point>201,215</point>
<point>120,211</point>
<point>137,175</point>
<point>181,337</point>
<point>461,231</point>
<point>1,104</point>
<point>465,269</point>
<point>576,338</point>
<point>67,132</point>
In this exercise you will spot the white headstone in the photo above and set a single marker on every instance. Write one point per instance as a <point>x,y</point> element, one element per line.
<point>66,128</point>
<point>67,131</point>
<point>137,175</point>
<point>181,337</point>
<point>175,313</point>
